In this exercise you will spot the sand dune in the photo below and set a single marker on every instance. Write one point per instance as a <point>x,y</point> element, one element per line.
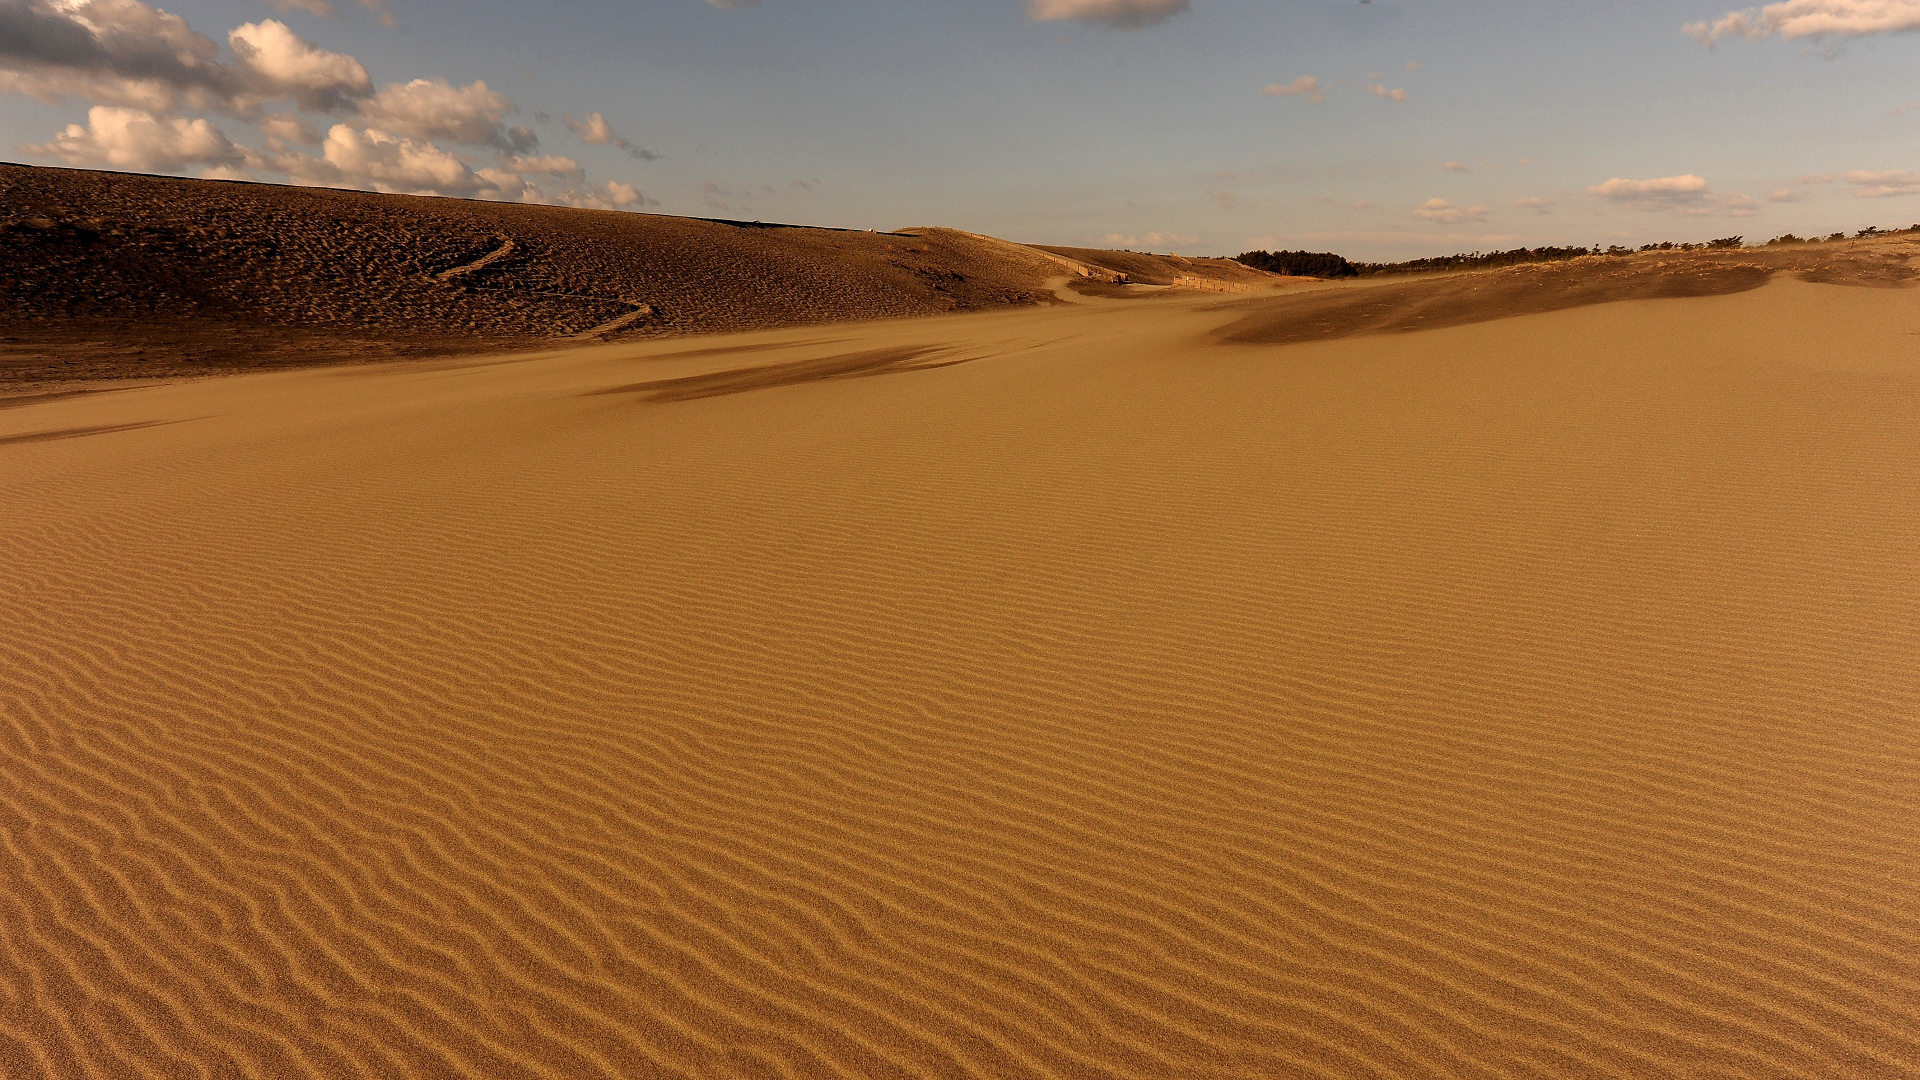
<point>1526,698</point>
<point>110,276</point>
<point>1430,302</point>
<point>1146,268</point>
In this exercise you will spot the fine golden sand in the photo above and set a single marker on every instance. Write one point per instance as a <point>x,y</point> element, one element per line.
<point>1064,692</point>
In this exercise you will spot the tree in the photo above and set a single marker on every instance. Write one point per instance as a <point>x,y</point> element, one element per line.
<point>1320,264</point>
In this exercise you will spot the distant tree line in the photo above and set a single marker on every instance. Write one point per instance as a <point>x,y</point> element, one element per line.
<point>1479,260</point>
<point>1325,264</point>
<point>1867,233</point>
<point>1320,264</point>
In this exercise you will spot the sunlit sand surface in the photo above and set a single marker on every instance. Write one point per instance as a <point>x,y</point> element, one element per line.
<point>1080,691</point>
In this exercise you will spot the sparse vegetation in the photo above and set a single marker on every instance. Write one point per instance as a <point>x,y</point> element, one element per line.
<point>1478,260</point>
<point>1327,265</point>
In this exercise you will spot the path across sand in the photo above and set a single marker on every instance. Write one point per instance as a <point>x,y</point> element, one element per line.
<point>505,249</point>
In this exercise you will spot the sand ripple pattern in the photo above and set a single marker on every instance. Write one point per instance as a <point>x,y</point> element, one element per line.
<point>1529,699</point>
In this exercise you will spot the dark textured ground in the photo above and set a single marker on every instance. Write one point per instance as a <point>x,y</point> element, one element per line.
<point>112,275</point>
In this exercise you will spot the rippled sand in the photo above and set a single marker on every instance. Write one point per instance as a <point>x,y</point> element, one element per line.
<point>1057,693</point>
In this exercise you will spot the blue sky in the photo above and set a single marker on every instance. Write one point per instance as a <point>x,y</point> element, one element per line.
<point>1520,123</point>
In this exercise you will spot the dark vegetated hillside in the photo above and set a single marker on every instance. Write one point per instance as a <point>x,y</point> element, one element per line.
<point>211,274</point>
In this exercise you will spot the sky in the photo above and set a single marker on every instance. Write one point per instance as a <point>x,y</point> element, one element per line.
<point>1377,130</point>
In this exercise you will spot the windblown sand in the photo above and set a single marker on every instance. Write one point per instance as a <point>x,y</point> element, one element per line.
<point>1063,692</point>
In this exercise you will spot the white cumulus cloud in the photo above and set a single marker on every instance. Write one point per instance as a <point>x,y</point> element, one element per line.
<point>436,109</point>
<point>141,69</point>
<point>1687,195</point>
<point>1117,14</point>
<point>126,52</point>
<point>110,52</point>
<point>288,128</point>
<point>281,63</point>
<point>1811,19</point>
<point>612,195</point>
<point>1307,86</point>
<point>388,162</point>
<point>137,140</point>
<point>1668,188</point>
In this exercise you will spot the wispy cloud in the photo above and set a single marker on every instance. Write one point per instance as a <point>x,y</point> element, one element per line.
<point>1404,239</point>
<point>715,196</point>
<point>594,130</point>
<point>1114,14</point>
<point>320,8</point>
<point>1378,88</point>
<point>1167,240</point>
<point>325,10</point>
<point>1811,19</point>
<point>1455,166</point>
<point>1442,212</point>
<point>1880,185</point>
<point>1307,86</point>
<point>1535,204</point>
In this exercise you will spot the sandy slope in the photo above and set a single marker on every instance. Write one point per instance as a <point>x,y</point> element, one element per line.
<point>1055,693</point>
<point>117,276</point>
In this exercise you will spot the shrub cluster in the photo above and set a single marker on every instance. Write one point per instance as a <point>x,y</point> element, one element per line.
<point>1479,260</point>
<point>1320,264</point>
